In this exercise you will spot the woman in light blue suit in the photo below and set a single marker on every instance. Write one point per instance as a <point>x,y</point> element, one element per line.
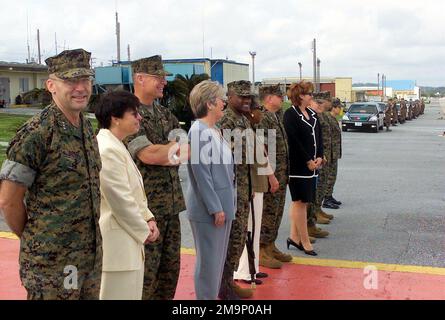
<point>211,193</point>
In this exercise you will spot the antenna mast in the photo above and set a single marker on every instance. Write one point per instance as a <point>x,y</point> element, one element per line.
<point>118,38</point>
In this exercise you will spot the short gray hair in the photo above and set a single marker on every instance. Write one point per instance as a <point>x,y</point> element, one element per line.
<point>204,92</point>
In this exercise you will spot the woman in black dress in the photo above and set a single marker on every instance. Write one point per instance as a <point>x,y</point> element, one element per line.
<point>305,158</point>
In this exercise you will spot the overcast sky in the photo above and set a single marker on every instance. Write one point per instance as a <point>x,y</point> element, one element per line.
<point>403,39</point>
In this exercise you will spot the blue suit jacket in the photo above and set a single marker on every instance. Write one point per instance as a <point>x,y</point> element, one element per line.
<point>211,177</point>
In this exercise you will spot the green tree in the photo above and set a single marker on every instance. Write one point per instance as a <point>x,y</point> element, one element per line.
<point>176,96</point>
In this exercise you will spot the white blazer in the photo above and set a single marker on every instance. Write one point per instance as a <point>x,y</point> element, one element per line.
<point>123,209</point>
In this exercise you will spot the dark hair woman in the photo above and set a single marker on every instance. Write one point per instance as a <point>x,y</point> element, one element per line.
<point>305,158</point>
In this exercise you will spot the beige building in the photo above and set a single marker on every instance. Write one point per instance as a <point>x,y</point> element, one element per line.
<point>17,78</point>
<point>340,87</point>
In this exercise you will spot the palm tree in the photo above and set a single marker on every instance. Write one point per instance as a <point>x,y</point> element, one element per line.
<point>177,93</point>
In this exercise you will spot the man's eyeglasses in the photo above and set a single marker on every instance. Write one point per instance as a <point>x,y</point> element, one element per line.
<point>309,94</point>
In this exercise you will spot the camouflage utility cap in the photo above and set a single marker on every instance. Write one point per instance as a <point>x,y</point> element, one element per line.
<point>70,64</point>
<point>151,65</point>
<point>336,102</point>
<point>241,88</point>
<point>323,95</point>
<point>271,90</point>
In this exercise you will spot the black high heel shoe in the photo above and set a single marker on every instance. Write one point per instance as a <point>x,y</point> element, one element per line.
<point>309,252</point>
<point>290,242</point>
<point>300,247</point>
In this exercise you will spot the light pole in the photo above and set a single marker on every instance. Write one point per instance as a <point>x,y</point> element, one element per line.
<point>378,85</point>
<point>253,54</point>
<point>318,75</point>
<point>299,65</point>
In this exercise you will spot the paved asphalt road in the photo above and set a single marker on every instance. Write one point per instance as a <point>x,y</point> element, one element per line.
<point>392,185</point>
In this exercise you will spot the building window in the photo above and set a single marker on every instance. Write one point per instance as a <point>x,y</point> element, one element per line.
<point>24,85</point>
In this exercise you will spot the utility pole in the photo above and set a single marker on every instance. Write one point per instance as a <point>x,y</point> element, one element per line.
<point>318,75</point>
<point>314,49</point>
<point>253,54</point>
<point>55,41</point>
<point>378,85</point>
<point>118,38</point>
<point>384,86</point>
<point>128,52</point>
<point>27,38</point>
<point>38,46</point>
<point>299,65</point>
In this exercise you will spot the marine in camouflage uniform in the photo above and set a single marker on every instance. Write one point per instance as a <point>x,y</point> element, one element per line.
<point>388,112</point>
<point>232,121</point>
<point>403,110</point>
<point>410,110</point>
<point>394,113</point>
<point>163,190</point>
<point>59,163</point>
<point>314,211</point>
<point>336,154</point>
<point>416,110</point>
<point>273,203</point>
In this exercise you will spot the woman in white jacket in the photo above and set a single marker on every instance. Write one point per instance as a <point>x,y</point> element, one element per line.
<point>126,222</point>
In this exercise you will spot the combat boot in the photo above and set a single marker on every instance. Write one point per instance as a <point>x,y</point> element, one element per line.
<point>277,254</point>
<point>267,261</point>
<point>317,232</point>
<point>243,293</point>
<point>326,215</point>
<point>321,219</point>
<point>312,239</point>
<point>226,291</point>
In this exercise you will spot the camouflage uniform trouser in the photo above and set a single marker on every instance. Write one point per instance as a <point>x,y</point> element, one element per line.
<point>88,286</point>
<point>332,178</point>
<point>387,121</point>
<point>273,207</point>
<point>320,193</point>
<point>238,235</point>
<point>162,261</point>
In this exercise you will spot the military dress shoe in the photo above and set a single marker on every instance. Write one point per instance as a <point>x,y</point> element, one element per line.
<point>261,275</point>
<point>256,281</point>
<point>317,232</point>
<point>330,205</point>
<point>333,200</point>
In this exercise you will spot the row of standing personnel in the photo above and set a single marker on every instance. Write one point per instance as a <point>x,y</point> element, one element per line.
<point>408,110</point>
<point>53,163</point>
<point>50,186</point>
